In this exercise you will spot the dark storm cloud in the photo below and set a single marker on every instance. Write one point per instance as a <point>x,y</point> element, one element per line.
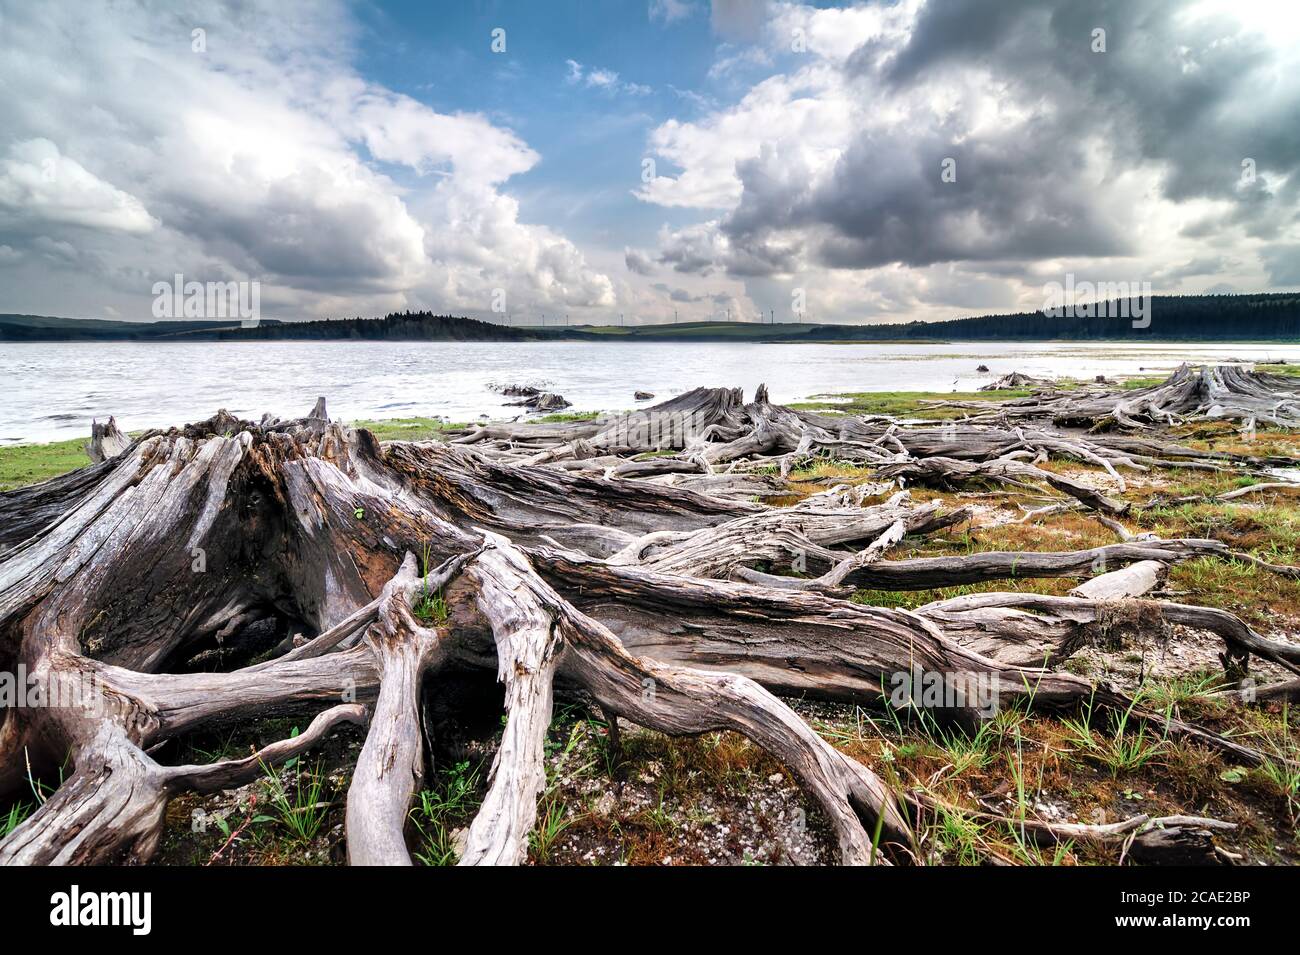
<point>1283,263</point>
<point>1198,94</point>
<point>1014,196</point>
<point>1204,265</point>
<point>1193,98</point>
<point>638,262</point>
<point>678,294</point>
<point>696,249</point>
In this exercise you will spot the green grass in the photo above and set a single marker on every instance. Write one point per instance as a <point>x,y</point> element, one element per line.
<point>12,819</point>
<point>1281,766</point>
<point>300,808</point>
<point>431,608</point>
<point>958,837</point>
<point>563,416</point>
<point>552,819</point>
<point>408,429</point>
<point>23,464</point>
<point>1120,751</point>
<point>906,403</point>
<point>912,599</point>
<point>450,802</point>
<point>1137,383</point>
<point>1190,688</point>
<point>223,746</point>
<point>1288,369</point>
<point>964,750</point>
<point>553,815</point>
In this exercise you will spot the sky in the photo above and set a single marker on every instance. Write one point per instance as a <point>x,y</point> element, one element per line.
<point>597,161</point>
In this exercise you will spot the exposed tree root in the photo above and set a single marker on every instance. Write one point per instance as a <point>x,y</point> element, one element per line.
<point>1223,391</point>
<point>562,558</point>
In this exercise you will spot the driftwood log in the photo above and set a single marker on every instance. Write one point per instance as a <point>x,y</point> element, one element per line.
<point>624,558</point>
<point>1227,392</point>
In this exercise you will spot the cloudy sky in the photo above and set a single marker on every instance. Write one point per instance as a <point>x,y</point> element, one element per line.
<point>894,161</point>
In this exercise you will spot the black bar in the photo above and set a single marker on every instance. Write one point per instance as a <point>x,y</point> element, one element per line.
<point>333,905</point>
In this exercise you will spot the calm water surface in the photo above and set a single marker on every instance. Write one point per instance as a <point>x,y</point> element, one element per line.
<point>51,391</point>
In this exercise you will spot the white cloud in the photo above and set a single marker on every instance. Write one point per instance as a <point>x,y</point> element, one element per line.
<point>811,112</point>
<point>736,60</point>
<point>265,157</point>
<point>825,173</point>
<point>399,129</point>
<point>39,185</point>
<point>670,11</point>
<point>601,79</point>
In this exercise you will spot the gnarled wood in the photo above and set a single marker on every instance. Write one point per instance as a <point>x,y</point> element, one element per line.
<point>565,557</point>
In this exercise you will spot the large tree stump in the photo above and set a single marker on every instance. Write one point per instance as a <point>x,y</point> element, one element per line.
<point>605,578</point>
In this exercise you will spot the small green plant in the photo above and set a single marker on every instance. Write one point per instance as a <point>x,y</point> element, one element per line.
<point>40,789</point>
<point>552,820</point>
<point>958,836</point>
<point>225,747</point>
<point>553,815</point>
<point>14,818</point>
<point>1028,852</point>
<point>965,750</point>
<point>1197,688</point>
<point>451,801</point>
<point>1281,768</point>
<point>562,751</point>
<point>300,808</point>
<point>1018,777</point>
<point>659,817</point>
<point>1122,750</point>
<point>875,838</point>
<point>429,607</point>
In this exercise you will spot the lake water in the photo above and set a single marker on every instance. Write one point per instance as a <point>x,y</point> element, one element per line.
<point>51,391</point>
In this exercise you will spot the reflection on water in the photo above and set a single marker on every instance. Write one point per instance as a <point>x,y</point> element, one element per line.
<point>52,390</point>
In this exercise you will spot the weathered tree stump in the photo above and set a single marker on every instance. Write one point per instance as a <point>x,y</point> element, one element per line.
<point>564,557</point>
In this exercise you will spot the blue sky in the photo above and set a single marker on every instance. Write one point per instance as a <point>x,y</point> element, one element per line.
<point>856,161</point>
<point>592,139</point>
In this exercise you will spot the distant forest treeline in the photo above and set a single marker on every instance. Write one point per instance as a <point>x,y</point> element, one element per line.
<point>1173,317</point>
<point>398,326</point>
<point>1250,317</point>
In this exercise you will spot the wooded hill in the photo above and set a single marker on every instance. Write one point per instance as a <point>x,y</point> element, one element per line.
<point>1252,317</point>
